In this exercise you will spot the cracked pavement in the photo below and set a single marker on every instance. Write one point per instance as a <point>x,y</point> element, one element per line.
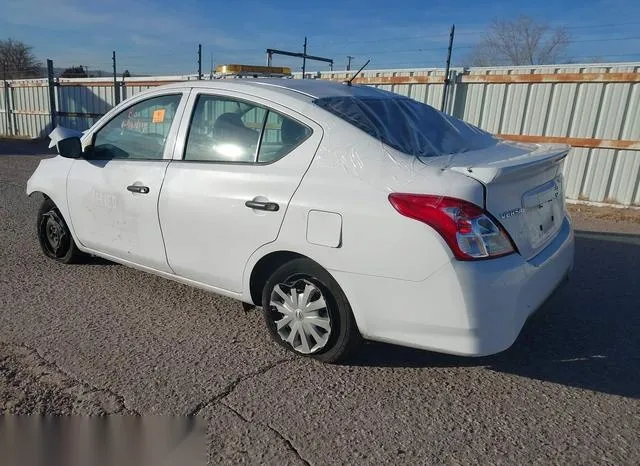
<point>101,338</point>
<point>31,384</point>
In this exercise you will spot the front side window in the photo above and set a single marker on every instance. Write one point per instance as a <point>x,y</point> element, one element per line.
<point>228,130</point>
<point>139,132</point>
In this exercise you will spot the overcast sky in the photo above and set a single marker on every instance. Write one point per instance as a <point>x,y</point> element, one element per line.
<point>161,37</point>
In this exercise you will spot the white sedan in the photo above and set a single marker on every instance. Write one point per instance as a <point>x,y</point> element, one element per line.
<point>345,212</point>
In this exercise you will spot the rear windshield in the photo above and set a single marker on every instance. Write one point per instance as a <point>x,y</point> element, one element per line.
<point>408,126</point>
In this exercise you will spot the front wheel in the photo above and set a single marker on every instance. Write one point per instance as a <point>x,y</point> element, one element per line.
<point>307,312</point>
<point>54,235</point>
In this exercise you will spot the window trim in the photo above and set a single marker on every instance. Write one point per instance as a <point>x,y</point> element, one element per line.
<point>173,128</point>
<point>249,102</point>
<point>264,127</point>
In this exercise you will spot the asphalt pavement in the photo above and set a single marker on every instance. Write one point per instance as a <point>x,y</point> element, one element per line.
<point>101,338</point>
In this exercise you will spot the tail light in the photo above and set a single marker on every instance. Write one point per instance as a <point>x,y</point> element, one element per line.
<point>470,231</point>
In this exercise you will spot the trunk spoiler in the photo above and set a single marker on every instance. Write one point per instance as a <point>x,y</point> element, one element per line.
<point>511,168</point>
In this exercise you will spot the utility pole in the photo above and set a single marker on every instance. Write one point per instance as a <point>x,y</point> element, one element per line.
<point>446,72</point>
<point>199,61</point>
<point>349,58</point>
<point>211,67</point>
<point>116,88</point>
<point>304,57</point>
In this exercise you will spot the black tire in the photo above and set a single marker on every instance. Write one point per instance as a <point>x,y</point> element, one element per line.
<point>343,337</point>
<point>54,236</point>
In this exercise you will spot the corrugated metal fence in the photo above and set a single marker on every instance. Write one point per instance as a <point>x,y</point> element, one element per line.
<point>595,108</point>
<point>78,102</point>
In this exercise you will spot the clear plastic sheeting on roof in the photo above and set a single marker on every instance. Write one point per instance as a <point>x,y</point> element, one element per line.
<point>409,126</point>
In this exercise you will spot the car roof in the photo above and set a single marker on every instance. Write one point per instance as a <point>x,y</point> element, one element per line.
<point>301,88</point>
<point>319,88</point>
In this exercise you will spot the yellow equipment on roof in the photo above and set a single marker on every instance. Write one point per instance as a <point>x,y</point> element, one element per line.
<point>252,70</point>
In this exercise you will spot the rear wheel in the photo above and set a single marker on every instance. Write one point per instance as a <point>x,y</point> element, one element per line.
<point>306,311</point>
<point>54,235</point>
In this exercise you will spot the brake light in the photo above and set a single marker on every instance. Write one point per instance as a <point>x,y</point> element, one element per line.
<point>470,231</point>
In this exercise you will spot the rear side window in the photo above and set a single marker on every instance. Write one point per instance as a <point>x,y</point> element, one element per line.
<point>224,130</point>
<point>281,136</point>
<point>233,131</point>
<point>407,125</point>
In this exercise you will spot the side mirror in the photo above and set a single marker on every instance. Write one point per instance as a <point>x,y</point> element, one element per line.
<point>70,148</point>
<point>67,142</point>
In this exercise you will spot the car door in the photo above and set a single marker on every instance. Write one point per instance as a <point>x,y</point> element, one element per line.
<point>112,193</point>
<point>227,192</point>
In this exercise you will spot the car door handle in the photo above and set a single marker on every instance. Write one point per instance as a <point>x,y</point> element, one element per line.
<point>259,205</point>
<point>134,188</point>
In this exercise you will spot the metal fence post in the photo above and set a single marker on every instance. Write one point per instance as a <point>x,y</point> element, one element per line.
<point>12,110</point>
<point>457,97</point>
<point>7,107</point>
<point>451,94</point>
<point>116,87</point>
<point>52,94</point>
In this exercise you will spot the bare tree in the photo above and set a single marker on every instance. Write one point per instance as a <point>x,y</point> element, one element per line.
<point>74,72</point>
<point>17,61</point>
<point>521,41</point>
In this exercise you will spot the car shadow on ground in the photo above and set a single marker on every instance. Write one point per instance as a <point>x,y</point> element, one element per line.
<point>95,260</point>
<point>34,147</point>
<point>586,336</point>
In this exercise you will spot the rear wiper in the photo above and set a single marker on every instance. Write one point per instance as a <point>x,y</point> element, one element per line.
<point>348,82</point>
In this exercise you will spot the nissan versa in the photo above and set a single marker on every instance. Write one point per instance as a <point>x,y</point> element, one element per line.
<point>346,212</point>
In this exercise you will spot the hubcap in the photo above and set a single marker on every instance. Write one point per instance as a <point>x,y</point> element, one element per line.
<point>304,318</point>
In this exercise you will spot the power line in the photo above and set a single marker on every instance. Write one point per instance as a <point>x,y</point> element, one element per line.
<point>381,40</point>
<point>464,33</point>
<point>604,39</point>
<point>591,26</point>
<point>438,64</point>
<point>462,47</point>
<point>419,36</point>
<point>609,55</point>
<point>458,47</point>
<point>126,59</point>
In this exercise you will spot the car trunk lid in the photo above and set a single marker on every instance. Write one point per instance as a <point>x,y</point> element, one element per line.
<point>523,189</point>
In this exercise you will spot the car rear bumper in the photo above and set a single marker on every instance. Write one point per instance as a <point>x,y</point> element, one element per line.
<point>466,308</point>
